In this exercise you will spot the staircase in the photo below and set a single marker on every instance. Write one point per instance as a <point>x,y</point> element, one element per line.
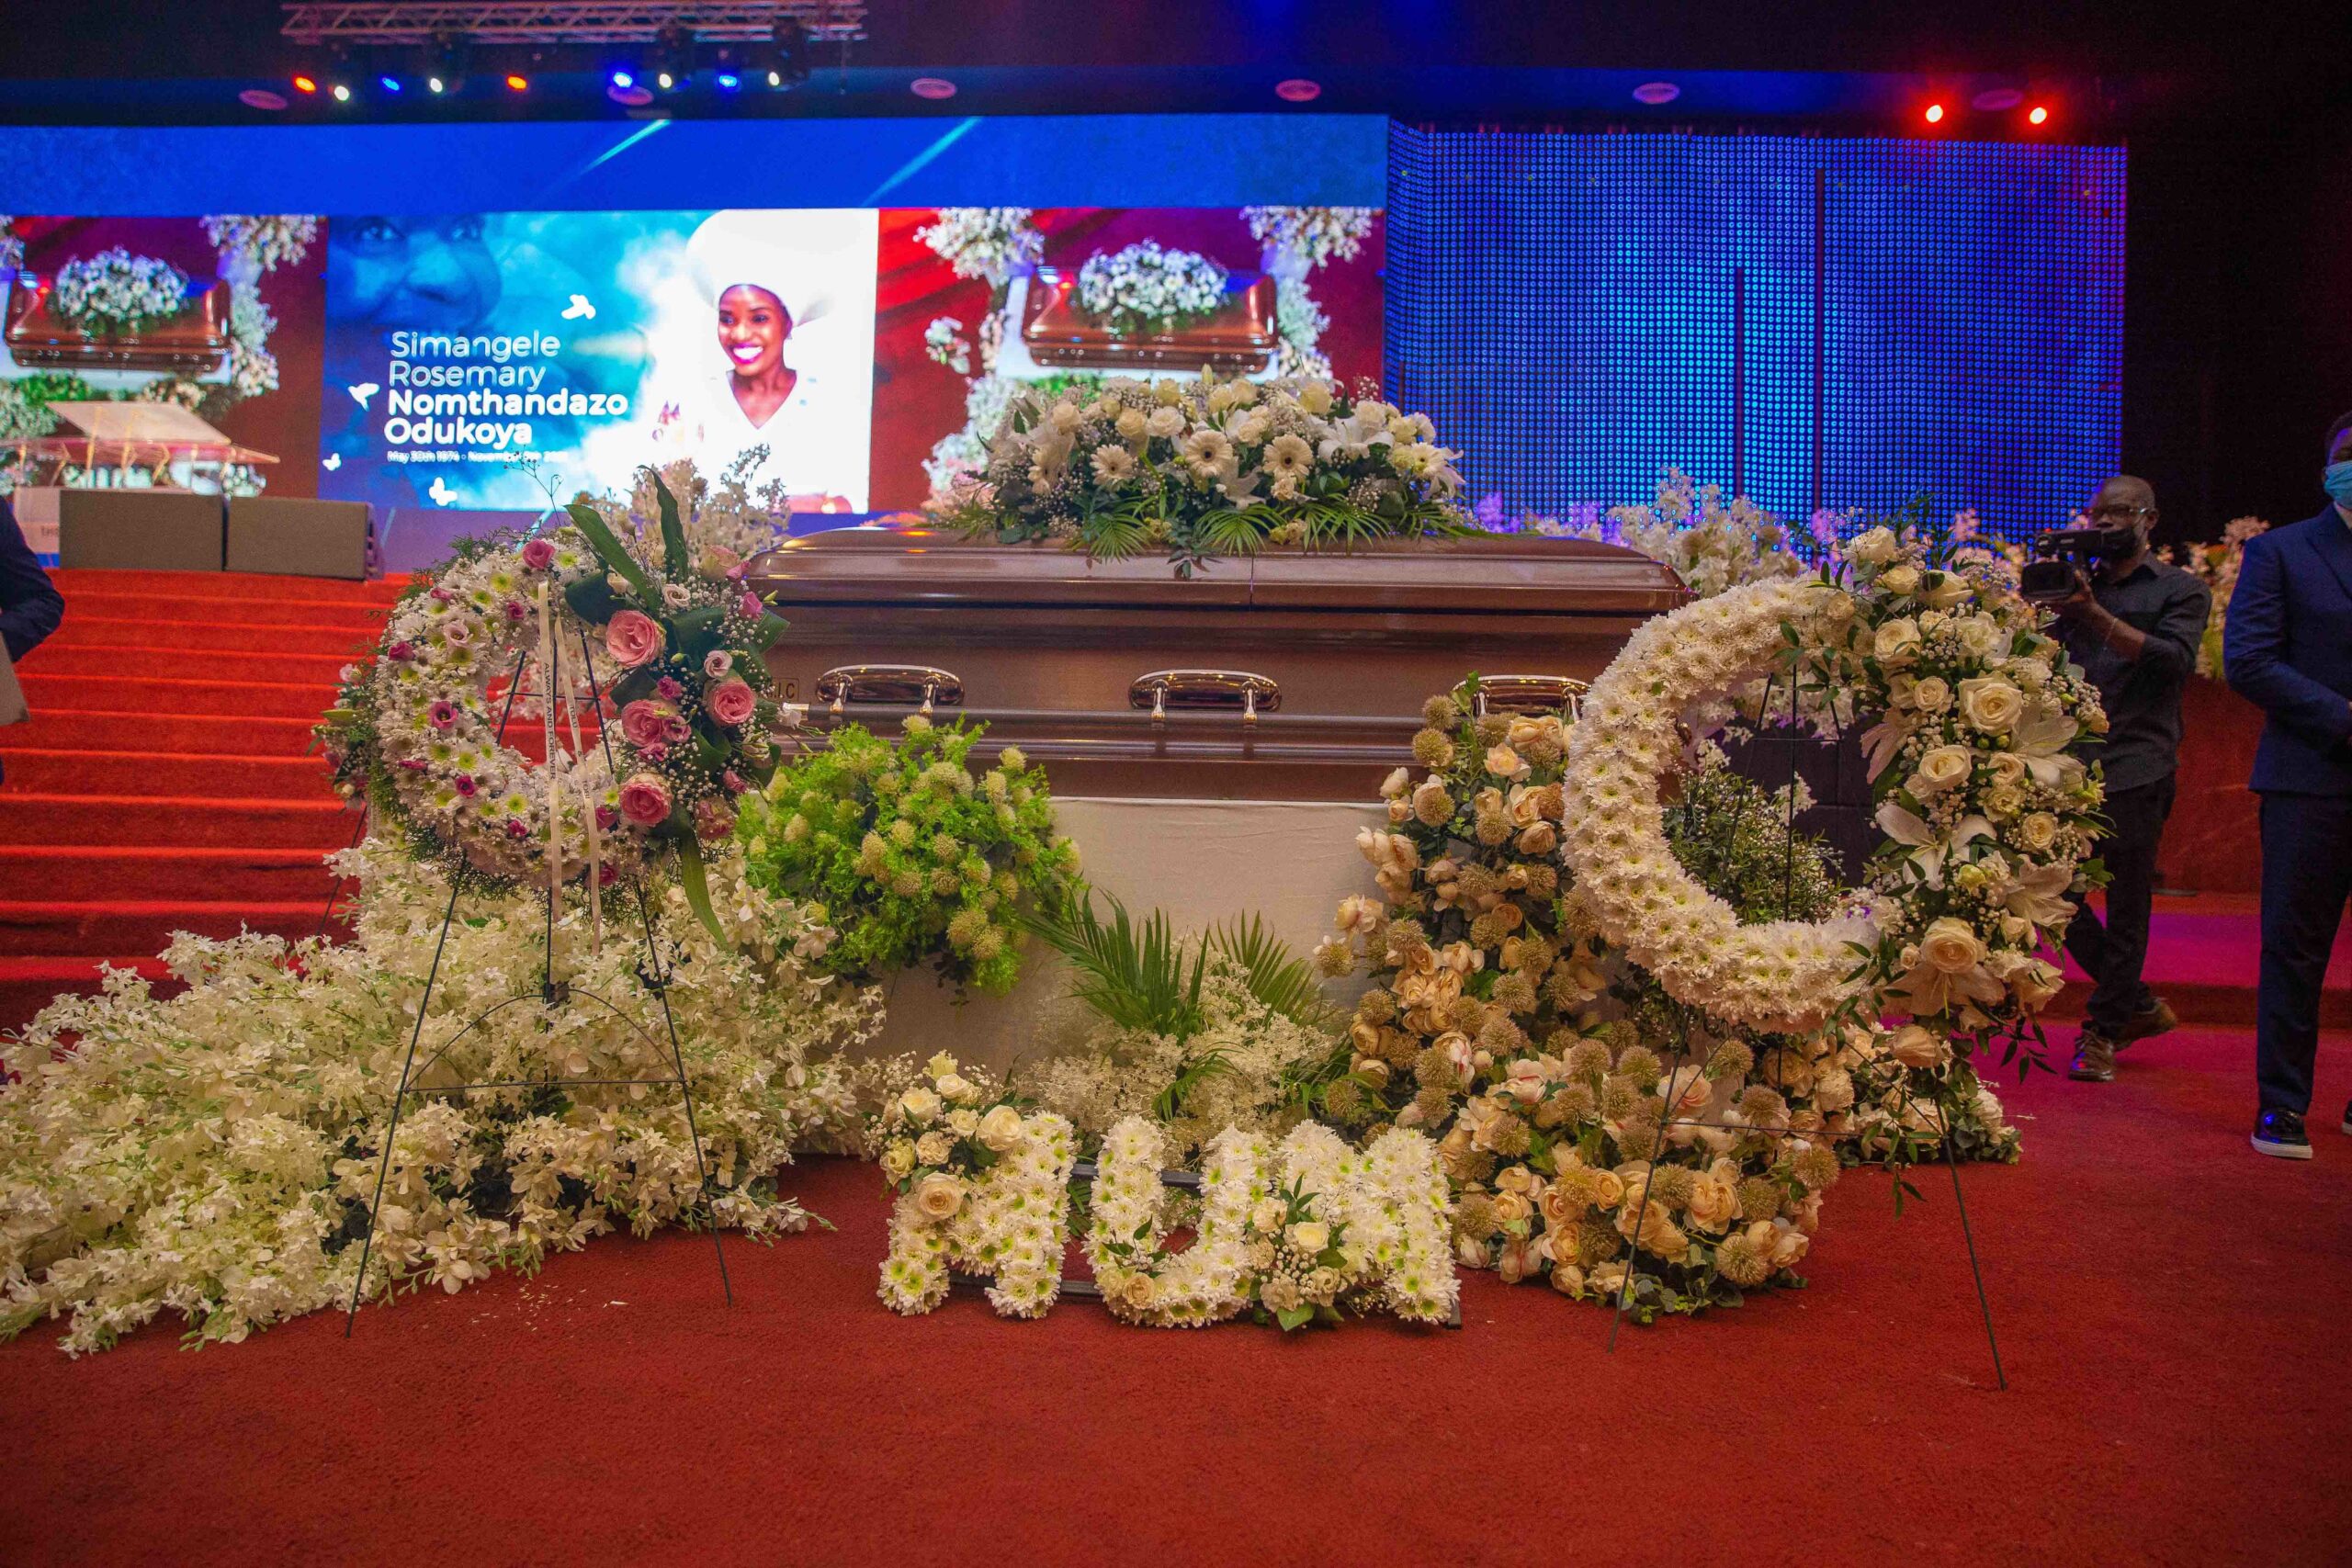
<point>162,783</point>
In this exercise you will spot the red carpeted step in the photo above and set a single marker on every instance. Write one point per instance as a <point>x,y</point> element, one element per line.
<point>128,606</point>
<point>259,700</point>
<point>209,734</point>
<point>99,871</point>
<point>83,580</point>
<point>213,666</point>
<point>228,636</point>
<point>41,928</point>
<point>28,985</point>
<point>161,820</point>
<point>150,773</point>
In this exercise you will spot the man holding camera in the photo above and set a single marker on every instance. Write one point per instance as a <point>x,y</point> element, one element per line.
<point>2134,624</point>
<point>2289,649</point>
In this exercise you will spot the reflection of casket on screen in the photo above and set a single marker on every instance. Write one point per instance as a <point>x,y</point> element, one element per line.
<point>1126,680</point>
<point>194,343</point>
<point>1239,338</point>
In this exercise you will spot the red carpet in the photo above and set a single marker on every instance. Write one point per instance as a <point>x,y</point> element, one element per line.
<point>2170,1307</point>
<point>162,784</point>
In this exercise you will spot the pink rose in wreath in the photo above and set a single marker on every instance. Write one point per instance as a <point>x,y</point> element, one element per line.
<point>632,638</point>
<point>443,714</point>
<point>646,723</point>
<point>731,703</point>
<point>645,799</point>
<point>538,555</point>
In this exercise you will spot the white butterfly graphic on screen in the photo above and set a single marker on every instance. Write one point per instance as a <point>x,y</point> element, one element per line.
<point>441,493</point>
<point>331,461</point>
<point>363,391</point>
<point>579,309</point>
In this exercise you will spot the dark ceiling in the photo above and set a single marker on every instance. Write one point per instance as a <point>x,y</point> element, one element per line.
<point>2119,67</point>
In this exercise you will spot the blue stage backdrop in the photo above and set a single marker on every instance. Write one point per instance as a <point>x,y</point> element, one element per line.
<point>1843,324</point>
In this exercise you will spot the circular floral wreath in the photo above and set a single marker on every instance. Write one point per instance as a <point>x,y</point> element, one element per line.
<point>671,644</point>
<point>1989,821</point>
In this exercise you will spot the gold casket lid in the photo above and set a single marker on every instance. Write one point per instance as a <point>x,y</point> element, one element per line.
<point>918,564</point>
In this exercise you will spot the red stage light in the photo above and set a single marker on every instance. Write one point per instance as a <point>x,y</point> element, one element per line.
<point>1934,114</point>
<point>517,83</point>
<point>2039,116</point>
<point>304,84</point>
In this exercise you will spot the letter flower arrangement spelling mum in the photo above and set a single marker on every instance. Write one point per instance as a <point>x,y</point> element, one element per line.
<point>1554,1069</point>
<point>1207,468</point>
<point>677,643</point>
<point>981,1187</point>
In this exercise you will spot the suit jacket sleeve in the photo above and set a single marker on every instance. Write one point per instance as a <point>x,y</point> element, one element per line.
<point>2254,648</point>
<point>30,605</point>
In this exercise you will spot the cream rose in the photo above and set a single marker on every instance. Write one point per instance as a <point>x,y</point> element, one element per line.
<point>897,1160</point>
<point>1991,704</point>
<point>1982,636</point>
<point>1876,546</point>
<point>1712,1202</point>
<point>1931,693</point>
<point>1000,1128</point>
<point>1898,641</point>
<point>1310,1236</point>
<point>1916,1046</point>
<point>1946,589</point>
<point>919,1105</point>
<point>2037,832</point>
<point>1950,944</point>
<point>938,1196</point>
<point>1945,767</point>
<point>954,1086</point>
<point>1513,1207</point>
<point>2008,768</point>
<point>1902,579</point>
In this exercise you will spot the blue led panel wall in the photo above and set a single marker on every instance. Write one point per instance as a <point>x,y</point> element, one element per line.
<point>1834,321</point>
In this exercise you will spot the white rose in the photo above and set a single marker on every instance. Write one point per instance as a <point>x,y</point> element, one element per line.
<point>1269,1215</point>
<point>898,1159</point>
<point>1981,635</point>
<point>954,1086</point>
<point>938,1196</point>
<point>1314,397</point>
<point>1900,579</point>
<point>1946,767</point>
<point>1394,784</point>
<point>919,1105</point>
<point>1930,694</point>
<point>1992,706</point>
<point>1000,1128</point>
<point>1914,1046</point>
<point>1875,548</point>
<point>2039,832</point>
<point>1947,588</point>
<point>1950,944</point>
<point>1310,1236</point>
<point>1132,426</point>
<point>1898,640</point>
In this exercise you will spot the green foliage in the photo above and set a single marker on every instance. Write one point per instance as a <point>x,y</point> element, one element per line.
<point>1133,974</point>
<point>912,857</point>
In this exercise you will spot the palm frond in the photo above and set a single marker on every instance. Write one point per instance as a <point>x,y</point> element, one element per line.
<point>1133,975</point>
<point>1276,976</point>
<point>1170,1101</point>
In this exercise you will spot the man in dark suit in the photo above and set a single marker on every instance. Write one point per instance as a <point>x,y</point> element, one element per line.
<point>30,605</point>
<point>2289,646</point>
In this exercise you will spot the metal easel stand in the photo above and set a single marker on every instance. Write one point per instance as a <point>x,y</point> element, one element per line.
<point>653,972</point>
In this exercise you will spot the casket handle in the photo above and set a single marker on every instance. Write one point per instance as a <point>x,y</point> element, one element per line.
<point>1164,689</point>
<point>889,683</point>
<point>1527,694</point>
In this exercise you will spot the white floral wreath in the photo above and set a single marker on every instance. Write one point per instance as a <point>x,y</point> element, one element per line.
<point>1287,1229</point>
<point>1678,670</point>
<point>437,723</point>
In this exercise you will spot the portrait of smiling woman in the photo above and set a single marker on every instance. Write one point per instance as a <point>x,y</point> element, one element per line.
<point>790,302</point>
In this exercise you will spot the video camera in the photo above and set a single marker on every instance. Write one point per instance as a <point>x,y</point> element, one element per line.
<point>2058,555</point>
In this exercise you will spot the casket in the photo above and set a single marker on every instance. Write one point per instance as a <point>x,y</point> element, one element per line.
<point>1284,676</point>
<point>1238,338</point>
<point>193,342</point>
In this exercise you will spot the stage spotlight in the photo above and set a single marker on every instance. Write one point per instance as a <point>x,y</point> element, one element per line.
<point>1656,94</point>
<point>517,83</point>
<point>728,80</point>
<point>1935,115</point>
<point>261,98</point>
<point>786,56</point>
<point>389,84</point>
<point>665,81</point>
<point>443,60</point>
<point>435,85</point>
<point>305,85</point>
<point>936,88</point>
<point>776,78</point>
<point>2040,116</point>
<point>342,94</point>
<point>672,57</point>
<point>624,80</point>
<point>1298,90</point>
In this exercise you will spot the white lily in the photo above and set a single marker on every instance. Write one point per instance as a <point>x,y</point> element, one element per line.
<point>1931,854</point>
<point>2039,894</point>
<point>2040,738</point>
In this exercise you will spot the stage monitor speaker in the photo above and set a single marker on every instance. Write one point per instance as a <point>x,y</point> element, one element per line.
<point>298,539</point>
<point>155,530</point>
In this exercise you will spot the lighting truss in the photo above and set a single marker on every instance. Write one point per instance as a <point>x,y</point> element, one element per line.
<point>565,21</point>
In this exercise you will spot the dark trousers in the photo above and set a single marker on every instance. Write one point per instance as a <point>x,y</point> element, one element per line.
<point>2113,954</point>
<point>2306,882</point>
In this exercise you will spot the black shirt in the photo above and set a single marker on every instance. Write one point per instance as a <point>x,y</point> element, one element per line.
<point>30,605</point>
<point>2143,695</point>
